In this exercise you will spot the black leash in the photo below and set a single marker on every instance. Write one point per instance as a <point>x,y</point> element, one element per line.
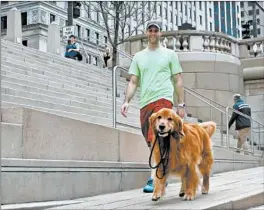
<point>164,148</point>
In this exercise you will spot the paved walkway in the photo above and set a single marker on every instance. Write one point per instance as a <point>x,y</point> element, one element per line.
<point>232,190</point>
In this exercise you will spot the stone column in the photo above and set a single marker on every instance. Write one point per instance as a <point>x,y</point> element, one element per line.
<point>53,45</point>
<point>14,27</point>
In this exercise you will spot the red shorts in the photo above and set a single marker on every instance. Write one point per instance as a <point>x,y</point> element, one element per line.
<point>146,112</point>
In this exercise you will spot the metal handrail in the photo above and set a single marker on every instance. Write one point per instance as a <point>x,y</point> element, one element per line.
<point>204,96</point>
<point>114,91</point>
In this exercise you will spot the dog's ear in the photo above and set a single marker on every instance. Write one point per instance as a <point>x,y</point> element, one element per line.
<point>178,125</point>
<point>152,120</point>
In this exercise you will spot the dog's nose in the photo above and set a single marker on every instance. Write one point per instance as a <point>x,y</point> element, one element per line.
<point>161,127</point>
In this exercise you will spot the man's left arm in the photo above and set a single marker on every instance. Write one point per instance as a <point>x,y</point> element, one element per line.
<point>178,87</point>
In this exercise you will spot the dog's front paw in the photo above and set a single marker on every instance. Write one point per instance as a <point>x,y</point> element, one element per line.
<point>205,190</point>
<point>189,196</point>
<point>155,197</point>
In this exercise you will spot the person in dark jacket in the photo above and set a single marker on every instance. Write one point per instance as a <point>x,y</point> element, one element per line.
<point>243,124</point>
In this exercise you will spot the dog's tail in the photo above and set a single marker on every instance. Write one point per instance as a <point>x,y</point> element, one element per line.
<point>210,127</point>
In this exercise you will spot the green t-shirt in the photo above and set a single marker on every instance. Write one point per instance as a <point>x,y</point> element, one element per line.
<point>155,69</point>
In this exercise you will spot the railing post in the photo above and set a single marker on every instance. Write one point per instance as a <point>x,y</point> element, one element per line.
<point>222,125</point>
<point>227,129</point>
<point>259,135</point>
<point>114,95</point>
<point>251,137</point>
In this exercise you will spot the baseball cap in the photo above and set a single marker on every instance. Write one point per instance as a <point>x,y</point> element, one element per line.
<point>236,96</point>
<point>154,23</point>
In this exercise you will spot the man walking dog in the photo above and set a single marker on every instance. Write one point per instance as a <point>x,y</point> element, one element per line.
<point>158,71</point>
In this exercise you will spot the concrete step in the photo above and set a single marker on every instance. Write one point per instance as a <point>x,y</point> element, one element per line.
<point>34,180</point>
<point>83,70</point>
<point>60,73</point>
<point>53,77</point>
<point>241,189</point>
<point>62,93</point>
<point>70,115</point>
<point>56,60</point>
<point>46,80</point>
<point>91,104</point>
<point>53,105</point>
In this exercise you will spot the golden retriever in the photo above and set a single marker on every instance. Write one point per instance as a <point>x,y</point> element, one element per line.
<point>190,154</point>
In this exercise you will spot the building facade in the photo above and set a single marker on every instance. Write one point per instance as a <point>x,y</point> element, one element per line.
<point>227,18</point>
<point>200,15</point>
<point>247,15</point>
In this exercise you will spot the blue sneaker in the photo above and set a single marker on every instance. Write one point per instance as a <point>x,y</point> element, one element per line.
<point>149,188</point>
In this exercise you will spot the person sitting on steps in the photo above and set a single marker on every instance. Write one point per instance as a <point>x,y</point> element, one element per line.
<point>73,49</point>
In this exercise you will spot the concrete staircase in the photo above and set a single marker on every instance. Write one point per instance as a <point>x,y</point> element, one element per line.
<point>61,86</point>
<point>57,139</point>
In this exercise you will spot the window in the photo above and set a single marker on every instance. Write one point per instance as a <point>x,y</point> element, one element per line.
<point>194,15</point>
<point>176,5</point>
<point>250,12</point>
<point>237,8</point>
<point>160,10</point>
<point>95,61</point>
<point>185,9</point>
<point>166,14</point>
<point>171,16</point>
<point>257,11</point>
<point>66,22</point>
<point>241,4</point>
<point>25,43</point>
<point>88,11</point>
<point>190,13</point>
<point>258,21</point>
<point>200,5</point>
<point>4,22</point>
<point>171,3</point>
<point>97,37</point>
<point>210,12</point>
<point>176,20</point>
<point>258,30</point>
<point>211,26</point>
<point>90,59</point>
<point>78,31</point>
<point>88,34</point>
<point>24,18</point>
<point>238,33</point>
<point>238,21</point>
<point>242,14</point>
<point>181,6</point>
<point>249,4</point>
<point>105,39</point>
<point>201,20</point>
<point>52,18</point>
<point>181,20</point>
<point>97,17</point>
